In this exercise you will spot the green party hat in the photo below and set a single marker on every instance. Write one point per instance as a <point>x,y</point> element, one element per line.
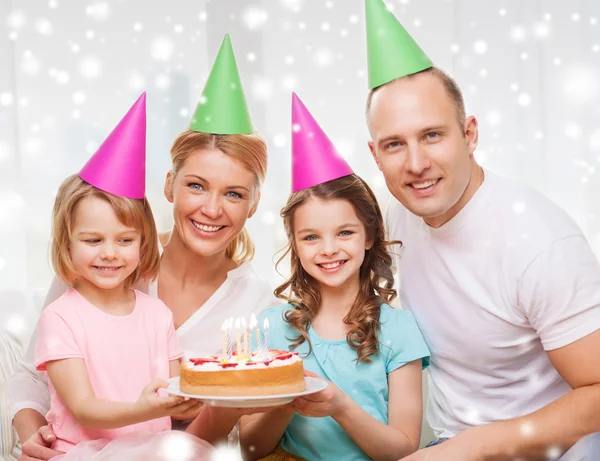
<point>391,51</point>
<point>222,107</point>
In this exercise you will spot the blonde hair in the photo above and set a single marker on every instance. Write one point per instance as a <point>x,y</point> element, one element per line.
<point>134,213</point>
<point>248,149</point>
<point>375,277</point>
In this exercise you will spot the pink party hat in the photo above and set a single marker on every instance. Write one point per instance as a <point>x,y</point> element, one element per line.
<point>315,159</point>
<point>119,165</point>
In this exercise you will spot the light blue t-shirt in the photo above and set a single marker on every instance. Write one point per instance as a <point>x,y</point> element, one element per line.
<point>400,341</point>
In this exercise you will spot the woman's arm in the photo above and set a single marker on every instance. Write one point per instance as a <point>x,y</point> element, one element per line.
<point>260,434</point>
<point>381,442</point>
<point>70,379</point>
<point>28,389</point>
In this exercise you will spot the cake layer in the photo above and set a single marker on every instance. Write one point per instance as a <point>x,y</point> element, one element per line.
<point>248,381</point>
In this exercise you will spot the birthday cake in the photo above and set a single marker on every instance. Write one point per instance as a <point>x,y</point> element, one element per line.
<point>276,372</point>
<point>246,367</point>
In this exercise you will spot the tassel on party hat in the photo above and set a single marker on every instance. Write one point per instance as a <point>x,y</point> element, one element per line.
<point>119,165</point>
<point>222,108</point>
<point>315,159</point>
<point>391,51</point>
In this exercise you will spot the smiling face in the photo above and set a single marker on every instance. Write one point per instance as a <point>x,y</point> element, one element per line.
<point>424,152</point>
<point>212,195</point>
<point>103,250</point>
<point>330,241</point>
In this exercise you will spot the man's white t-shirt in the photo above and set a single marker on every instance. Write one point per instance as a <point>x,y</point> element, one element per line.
<point>509,277</point>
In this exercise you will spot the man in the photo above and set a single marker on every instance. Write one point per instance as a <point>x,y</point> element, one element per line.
<point>503,284</point>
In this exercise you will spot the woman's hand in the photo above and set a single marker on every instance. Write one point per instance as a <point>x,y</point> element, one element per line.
<point>328,402</point>
<point>194,407</point>
<point>37,447</point>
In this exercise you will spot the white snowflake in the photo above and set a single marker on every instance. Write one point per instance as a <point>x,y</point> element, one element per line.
<point>541,30</point>
<point>15,324</point>
<point>136,81</point>
<point>162,81</point>
<point>575,17</point>
<point>98,11</point>
<point>573,131</point>
<point>519,207</point>
<point>346,147</point>
<point>2,263</point>
<point>518,34</point>
<point>16,19</point>
<point>325,27</point>
<point>289,60</point>
<point>527,429</point>
<point>293,5</point>
<point>44,27</point>
<point>254,17</point>
<point>90,67</point>
<point>494,117</point>
<point>90,34</point>
<point>202,16</point>
<point>79,97</point>
<point>524,99</point>
<point>595,141</point>
<point>225,453</point>
<point>289,82</point>
<point>251,57</point>
<point>502,12</point>
<point>162,48</point>
<point>280,140</point>
<point>262,88</point>
<point>581,84</point>
<point>137,26</point>
<point>268,217</point>
<point>480,47</point>
<point>323,57</point>
<point>6,99</point>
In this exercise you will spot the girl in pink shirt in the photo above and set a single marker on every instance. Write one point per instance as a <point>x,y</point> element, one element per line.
<point>106,347</point>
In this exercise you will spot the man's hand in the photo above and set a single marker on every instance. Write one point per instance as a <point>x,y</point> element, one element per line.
<point>37,447</point>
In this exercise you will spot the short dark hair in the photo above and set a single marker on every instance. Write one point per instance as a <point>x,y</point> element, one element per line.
<point>449,83</point>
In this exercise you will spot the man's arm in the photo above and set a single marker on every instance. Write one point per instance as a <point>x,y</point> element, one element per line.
<point>557,426</point>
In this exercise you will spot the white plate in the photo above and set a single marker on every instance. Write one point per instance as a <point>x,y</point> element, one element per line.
<point>252,401</point>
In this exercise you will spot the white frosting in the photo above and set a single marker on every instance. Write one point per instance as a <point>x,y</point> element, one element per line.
<point>243,365</point>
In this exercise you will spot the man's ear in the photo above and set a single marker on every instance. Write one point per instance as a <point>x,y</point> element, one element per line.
<point>471,130</point>
<point>374,153</point>
<point>168,190</point>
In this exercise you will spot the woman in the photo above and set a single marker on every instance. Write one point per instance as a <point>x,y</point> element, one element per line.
<point>205,275</point>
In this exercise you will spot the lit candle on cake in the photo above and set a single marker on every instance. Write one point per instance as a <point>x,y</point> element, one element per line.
<point>229,338</point>
<point>245,328</point>
<point>254,326</point>
<point>224,340</point>
<point>238,342</point>
<point>266,332</point>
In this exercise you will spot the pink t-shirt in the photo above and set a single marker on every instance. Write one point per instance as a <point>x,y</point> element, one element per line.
<point>122,355</point>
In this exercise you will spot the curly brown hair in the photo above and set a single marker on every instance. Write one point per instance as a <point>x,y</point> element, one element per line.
<point>376,276</point>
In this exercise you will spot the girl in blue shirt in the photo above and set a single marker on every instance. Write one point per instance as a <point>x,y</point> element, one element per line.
<point>338,319</point>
